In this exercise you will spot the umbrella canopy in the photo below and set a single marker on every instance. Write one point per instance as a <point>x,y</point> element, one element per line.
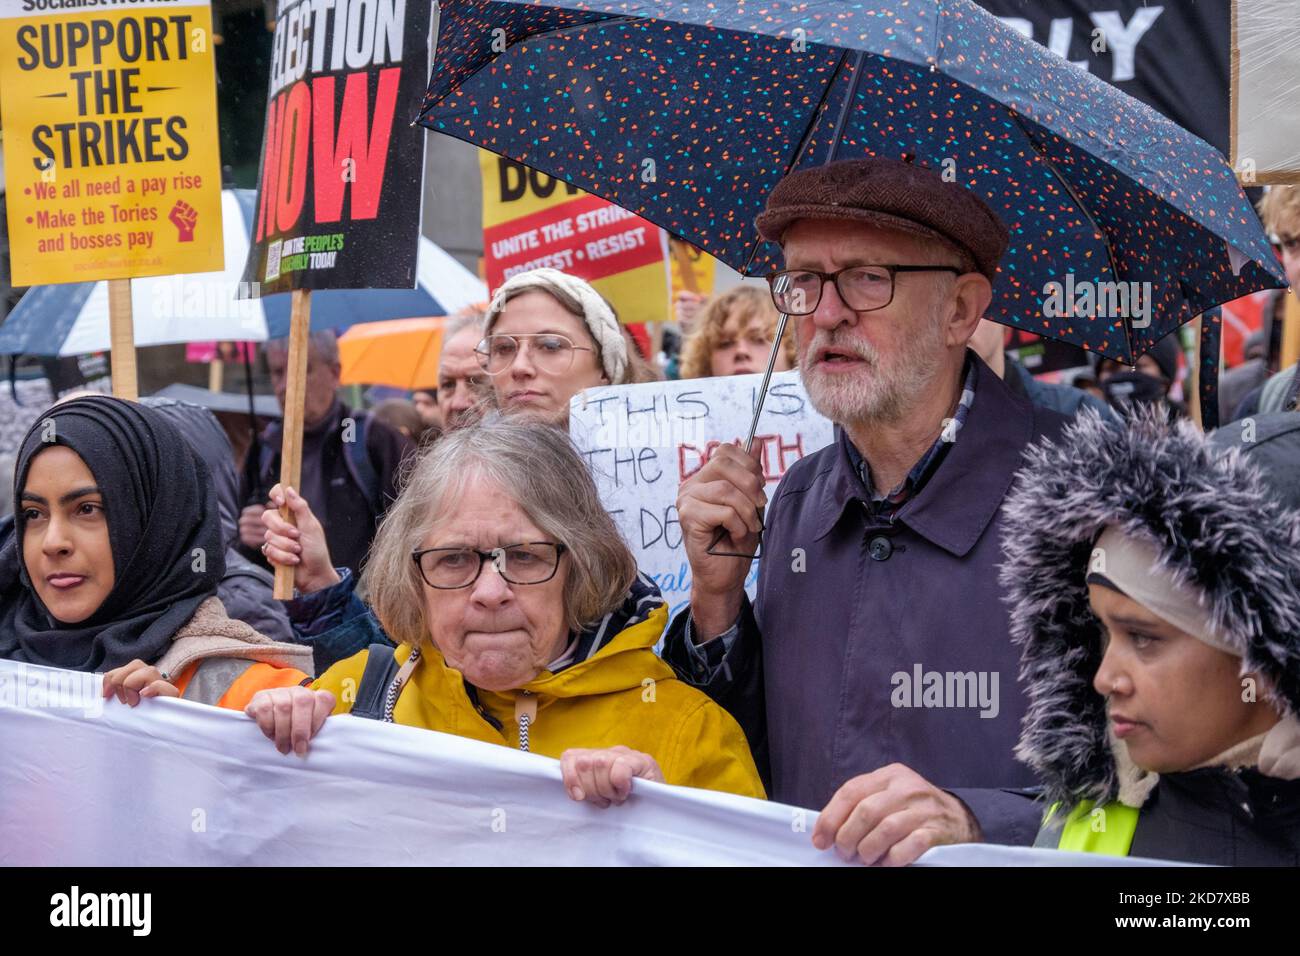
<point>401,352</point>
<point>264,406</point>
<point>72,319</point>
<point>689,113</point>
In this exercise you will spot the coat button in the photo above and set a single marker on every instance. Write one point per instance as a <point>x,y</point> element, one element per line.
<point>880,548</point>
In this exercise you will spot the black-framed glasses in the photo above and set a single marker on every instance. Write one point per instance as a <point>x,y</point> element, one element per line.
<point>530,562</point>
<point>861,288</point>
<point>551,353</point>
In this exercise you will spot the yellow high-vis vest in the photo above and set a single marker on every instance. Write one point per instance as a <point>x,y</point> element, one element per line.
<point>1108,830</point>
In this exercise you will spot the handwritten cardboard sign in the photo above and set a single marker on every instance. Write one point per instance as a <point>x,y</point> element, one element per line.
<point>642,441</point>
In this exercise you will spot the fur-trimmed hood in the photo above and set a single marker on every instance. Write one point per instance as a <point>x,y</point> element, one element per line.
<point>1217,527</point>
<point>211,632</point>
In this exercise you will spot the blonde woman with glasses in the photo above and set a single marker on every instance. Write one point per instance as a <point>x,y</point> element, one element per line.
<point>546,337</point>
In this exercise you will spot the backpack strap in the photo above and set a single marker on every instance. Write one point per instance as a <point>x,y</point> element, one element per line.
<point>363,468</point>
<point>238,566</point>
<point>381,668</point>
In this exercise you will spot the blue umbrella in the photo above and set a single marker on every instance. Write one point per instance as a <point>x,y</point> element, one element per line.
<point>689,112</point>
<point>72,319</point>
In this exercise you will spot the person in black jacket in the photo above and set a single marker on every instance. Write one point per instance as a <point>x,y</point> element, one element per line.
<point>350,461</point>
<point>988,343</point>
<point>1147,382</point>
<point>245,588</point>
<point>1154,580</point>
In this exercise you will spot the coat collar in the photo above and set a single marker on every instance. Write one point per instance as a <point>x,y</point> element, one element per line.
<point>1274,753</point>
<point>959,500</point>
<point>211,632</point>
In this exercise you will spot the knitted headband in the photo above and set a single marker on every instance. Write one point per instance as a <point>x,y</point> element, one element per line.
<point>596,313</point>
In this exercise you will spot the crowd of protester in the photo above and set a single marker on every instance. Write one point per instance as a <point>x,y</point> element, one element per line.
<point>1127,586</point>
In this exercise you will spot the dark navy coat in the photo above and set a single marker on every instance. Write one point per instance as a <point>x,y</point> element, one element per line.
<point>852,609</point>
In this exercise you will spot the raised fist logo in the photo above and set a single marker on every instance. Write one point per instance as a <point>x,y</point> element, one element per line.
<point>183,217</point>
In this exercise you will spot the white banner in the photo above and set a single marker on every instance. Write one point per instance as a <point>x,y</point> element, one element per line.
<point>643,441</point>
<point>176,783</point>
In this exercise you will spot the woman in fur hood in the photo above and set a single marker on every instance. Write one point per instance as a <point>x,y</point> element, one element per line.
<point>1154,580</point>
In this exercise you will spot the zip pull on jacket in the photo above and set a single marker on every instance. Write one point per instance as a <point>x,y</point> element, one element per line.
<point>525,714</point>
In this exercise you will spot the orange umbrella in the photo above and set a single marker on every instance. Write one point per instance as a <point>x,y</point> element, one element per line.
<point>402,353</point>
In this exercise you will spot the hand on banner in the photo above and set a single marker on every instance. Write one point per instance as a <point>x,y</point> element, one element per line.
<point>604,777</point>
<point>290,716</point>
<point>892,816</point>
<point>303,548</point>
<point>726,493</point>
<point>135,681</point>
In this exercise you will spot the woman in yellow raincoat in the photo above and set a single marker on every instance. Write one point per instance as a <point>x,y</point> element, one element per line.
<point>521,620</point>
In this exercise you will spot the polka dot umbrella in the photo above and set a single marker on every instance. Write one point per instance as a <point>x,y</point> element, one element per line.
<point>688,112</point>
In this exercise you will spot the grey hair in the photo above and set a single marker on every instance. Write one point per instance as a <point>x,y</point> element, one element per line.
<point>467,318</point>
<point>323,344</point>
<point>946,247</point>
<point>535,466</point>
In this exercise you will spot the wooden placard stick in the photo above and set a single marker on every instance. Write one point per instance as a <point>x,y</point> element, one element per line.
<point>295,395</point>
<point>680,250</point>
<point>121,340</point>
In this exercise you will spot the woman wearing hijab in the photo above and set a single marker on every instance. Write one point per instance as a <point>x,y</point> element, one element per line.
<point>1154,581</point>
<point>247,589</point>
<point>112,559</point>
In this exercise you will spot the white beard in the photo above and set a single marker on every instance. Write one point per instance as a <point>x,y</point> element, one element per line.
<point>880,393</point>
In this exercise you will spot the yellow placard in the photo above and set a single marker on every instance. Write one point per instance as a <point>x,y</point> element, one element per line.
<point>532,220</point>
<point>112,167</point>
<point>692,269</point>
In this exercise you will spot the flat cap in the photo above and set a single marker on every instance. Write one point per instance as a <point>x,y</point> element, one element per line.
<point>893,194</point>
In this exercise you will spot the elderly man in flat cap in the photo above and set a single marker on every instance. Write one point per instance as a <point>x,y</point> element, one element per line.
<point>874,673</point>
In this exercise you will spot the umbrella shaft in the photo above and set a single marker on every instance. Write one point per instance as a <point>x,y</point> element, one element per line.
<point>767,378</point>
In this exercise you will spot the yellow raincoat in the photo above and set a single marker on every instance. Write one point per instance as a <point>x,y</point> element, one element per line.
<point>622,694</point>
